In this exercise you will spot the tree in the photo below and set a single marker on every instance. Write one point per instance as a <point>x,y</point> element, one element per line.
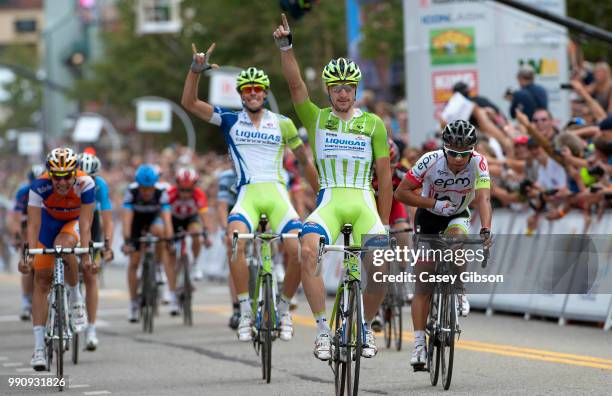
<point>24,96</point>
<point>134,66</point>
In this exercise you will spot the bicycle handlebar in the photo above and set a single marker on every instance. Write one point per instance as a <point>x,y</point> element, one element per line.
<point>65,250</point>
<point>265,237</point>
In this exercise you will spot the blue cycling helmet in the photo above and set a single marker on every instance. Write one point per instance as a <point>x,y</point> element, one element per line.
<point>146,176</point>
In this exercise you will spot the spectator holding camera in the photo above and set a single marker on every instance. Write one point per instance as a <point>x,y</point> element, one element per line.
<point>601,87</point>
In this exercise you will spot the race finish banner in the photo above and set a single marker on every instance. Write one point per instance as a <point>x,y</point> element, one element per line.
<point>482,44</point>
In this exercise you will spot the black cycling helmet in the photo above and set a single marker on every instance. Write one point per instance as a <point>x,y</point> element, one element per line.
<point>459,133</point>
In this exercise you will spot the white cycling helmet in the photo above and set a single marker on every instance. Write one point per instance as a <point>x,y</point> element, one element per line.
<point>89,164</point>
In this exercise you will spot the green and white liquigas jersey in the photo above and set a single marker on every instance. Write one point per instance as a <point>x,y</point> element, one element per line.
<point>344,151</point>
<point>257,152</point>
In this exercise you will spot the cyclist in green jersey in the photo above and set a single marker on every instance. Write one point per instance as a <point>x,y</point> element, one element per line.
<point>346,143</point>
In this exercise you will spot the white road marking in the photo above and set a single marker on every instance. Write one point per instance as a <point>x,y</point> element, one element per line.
<point>76,386</point>
<point>25,370</point>
<point>12,364</point>
<point>103,392</point>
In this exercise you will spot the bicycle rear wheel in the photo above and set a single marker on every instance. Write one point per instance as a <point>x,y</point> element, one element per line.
<point>396,319</point>
<point>337,363</point>
<point>267,327</point>
<point>354,336</point>
<point>388,319</point>
<point>447,341</point>
<point>60,317</point>
<point>433,351</point>
<point>75,348</point>
<point>186,299</point>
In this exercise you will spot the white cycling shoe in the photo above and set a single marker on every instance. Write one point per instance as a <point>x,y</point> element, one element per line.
<point>419,356</point>
<point>322,349</point>
<point>91,340</point>
<point>245,328</point>
<point>78,315</point>
<point>463,305</point>
<point>369,349</point>
<point>39,360</point>
<point>286,327</point>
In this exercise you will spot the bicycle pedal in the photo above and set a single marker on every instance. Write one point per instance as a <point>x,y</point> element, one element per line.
<point>419,367</point>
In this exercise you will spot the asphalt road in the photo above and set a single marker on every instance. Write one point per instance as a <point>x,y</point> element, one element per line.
<point>496,355</point>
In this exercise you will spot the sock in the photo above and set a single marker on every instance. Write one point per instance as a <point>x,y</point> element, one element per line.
<point>173,298</point>
<point>245,304</point>
<point>367,325</point>
<point>26,300</point>
<point>283,305</point>
<point>74,294</point>
<point>322,326</point>
<point>419,337</point>
<point>91,327</point>
<point>236,307</point>
<point>134,303</point>
<point>39,337</point>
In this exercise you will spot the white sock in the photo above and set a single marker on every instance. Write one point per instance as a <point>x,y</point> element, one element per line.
<point>173,298</point>
<point>283,305</point>
<point>74,294</point>
<point>134,304</point>
<point>245,304</point>
<point>419,337</point>
<point>39,337</point>
<point>322,326</point>
<point>91,327</point>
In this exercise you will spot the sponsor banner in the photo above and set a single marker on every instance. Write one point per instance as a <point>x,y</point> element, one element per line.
<point>222,90</point>
<point>452,46</point>
<point>30,143</point>
<point>87,129</point>
<point>482,44</point>
<point>442,83</point>
<point>153,116</point>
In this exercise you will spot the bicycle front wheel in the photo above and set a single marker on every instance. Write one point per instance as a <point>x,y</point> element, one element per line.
<point>447,341</point>
<point>60,317</point>
<point>354,337</point>
<point>396,319</point>
<point>267,327</point>
<point>75,348</point>
<point>338,360</point>
<point>187,312</point>
<point>433,350</point>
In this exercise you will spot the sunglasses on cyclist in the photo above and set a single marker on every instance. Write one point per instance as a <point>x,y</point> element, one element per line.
<point>61,175</point>
<point>186,190</point>
<point>458,154</point>
<point>348,88</point>
<point>251,88</point>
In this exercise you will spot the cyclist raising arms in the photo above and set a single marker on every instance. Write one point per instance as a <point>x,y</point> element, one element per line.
<point>60,212</point>
<point>450,179</point>
<point>346,142</point>
<point>256,138</point>
<point>101,230</point>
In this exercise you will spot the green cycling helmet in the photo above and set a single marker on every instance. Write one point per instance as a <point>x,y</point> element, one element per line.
<point>341,70</point>
<point>252,75</point>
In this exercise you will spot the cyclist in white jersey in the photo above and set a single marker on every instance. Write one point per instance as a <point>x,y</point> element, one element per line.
<point>450,178</point>
<point>256,139</point>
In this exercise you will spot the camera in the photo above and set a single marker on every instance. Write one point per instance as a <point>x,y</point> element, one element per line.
<point>566,86</point>
<point>596,171</point>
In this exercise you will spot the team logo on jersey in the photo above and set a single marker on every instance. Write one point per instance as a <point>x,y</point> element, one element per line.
<point>44,188</point>
<point>258,137</point>
<point>426,160</point>
<point>442,173</point>
<point>331,123</point>
<point>462,181</point>
<point>482,165</point>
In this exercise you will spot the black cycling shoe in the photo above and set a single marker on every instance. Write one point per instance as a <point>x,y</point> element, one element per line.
<point>377,324</point>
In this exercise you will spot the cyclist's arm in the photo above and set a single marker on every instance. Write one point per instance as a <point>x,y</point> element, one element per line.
<point>128,218</point>
<point>166,215</point>
<point>291,71</point>
<point>34,220</point>
<point>310,172</point>
<point>483,202</point>
<point>380,150</point>
<point>222,207</point>
<point>293,141</point>
<point>85,220</point>
<point>108,225</point>
<point>190,100</point>
<point>405,193</point>
<point>483,191</point>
